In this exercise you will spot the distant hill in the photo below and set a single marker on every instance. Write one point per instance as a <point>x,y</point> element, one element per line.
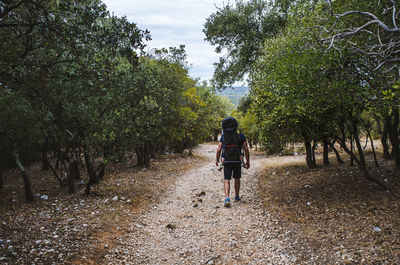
<point>235,93</point>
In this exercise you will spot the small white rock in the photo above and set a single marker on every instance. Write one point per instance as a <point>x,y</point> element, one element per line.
<point>308,203</point>
<point>377,229</point>
<point>115,198</point>
<point>44,197</point>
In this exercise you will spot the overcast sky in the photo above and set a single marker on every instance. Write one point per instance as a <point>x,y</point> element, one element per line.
<point>174,22</point>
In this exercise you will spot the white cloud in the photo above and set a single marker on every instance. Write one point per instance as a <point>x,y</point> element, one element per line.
<point>172,23</point>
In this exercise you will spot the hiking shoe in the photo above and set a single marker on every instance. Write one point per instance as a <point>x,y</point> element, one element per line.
<point>227,202</point>
<point>237,198</point>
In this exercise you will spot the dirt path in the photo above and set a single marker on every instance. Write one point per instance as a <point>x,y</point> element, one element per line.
<point>191,226</point>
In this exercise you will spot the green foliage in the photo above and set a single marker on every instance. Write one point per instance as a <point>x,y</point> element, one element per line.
<point>240,29</point>
<point>301,91</point>
<point>76,78</point>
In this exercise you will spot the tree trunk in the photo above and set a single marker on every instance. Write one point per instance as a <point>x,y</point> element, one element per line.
<point>77,173</point>
<point>383,133</point>
<point>27,183</point>
<point>339,160</point>
<point>78,156</point>
<point>373,149</point>
<point>366,142</point>
<point>309,159</point>
<point>70,179</point>
<point>394,136</point>
<point>101,168</point>
<point>385,146</point>
<point>361,163</point>
<point>314,146</point>
<point>325,142</point>
<point>45,161</point>
<point>56,175</point>
<point>1,181</point>
<point>147,159</point>
<point>139,156</point>
<point>384,138</point>
<point>359,148</point>
<point>57,166</point>
<point>91,173</point>
<point>72,169</point>
<point>363,169</point>
<point>352,150</point>
<point>144,156</point>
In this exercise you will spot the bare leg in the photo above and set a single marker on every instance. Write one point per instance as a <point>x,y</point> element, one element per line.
<point>237,187</point>
<point>227,187</point>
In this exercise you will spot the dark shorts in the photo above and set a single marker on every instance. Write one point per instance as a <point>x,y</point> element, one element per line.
<point>235,170</point>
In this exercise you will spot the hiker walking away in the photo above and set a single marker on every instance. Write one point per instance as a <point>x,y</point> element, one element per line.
<point>230,145</point>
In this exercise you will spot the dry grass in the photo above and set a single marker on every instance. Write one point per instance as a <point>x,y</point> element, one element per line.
<point>332,212</point>
<point>77,228</point>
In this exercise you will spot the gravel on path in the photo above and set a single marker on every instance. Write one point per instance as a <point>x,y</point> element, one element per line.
<point>191,226</point>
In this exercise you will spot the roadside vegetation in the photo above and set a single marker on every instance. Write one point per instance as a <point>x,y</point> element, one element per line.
<point>78,92</point>
<point>84,110</point>
<point>320,72</point>
<point>331,213</point>
<point>324,81</point>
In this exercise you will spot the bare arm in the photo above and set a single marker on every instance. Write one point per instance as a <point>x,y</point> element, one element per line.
<point>247,154</point>
<point>218,152</point>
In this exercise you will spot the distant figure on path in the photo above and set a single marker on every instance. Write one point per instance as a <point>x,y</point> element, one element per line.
<point>230,145</point>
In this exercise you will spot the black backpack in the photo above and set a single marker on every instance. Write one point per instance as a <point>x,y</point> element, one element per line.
<point>232,141</point>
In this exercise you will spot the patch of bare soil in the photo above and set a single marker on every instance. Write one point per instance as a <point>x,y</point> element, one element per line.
<point>61,228</point>
<point>333,215</point>
<point>191,226</point>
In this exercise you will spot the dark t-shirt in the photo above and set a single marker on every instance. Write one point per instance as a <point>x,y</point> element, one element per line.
<point>242,138</point>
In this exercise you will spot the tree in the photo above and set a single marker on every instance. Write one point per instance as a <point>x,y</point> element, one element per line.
<point>303,91</point>
<point>240,30</point>
<point>57,57</point>
<point>375,36</point>
<point>370,29</point>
